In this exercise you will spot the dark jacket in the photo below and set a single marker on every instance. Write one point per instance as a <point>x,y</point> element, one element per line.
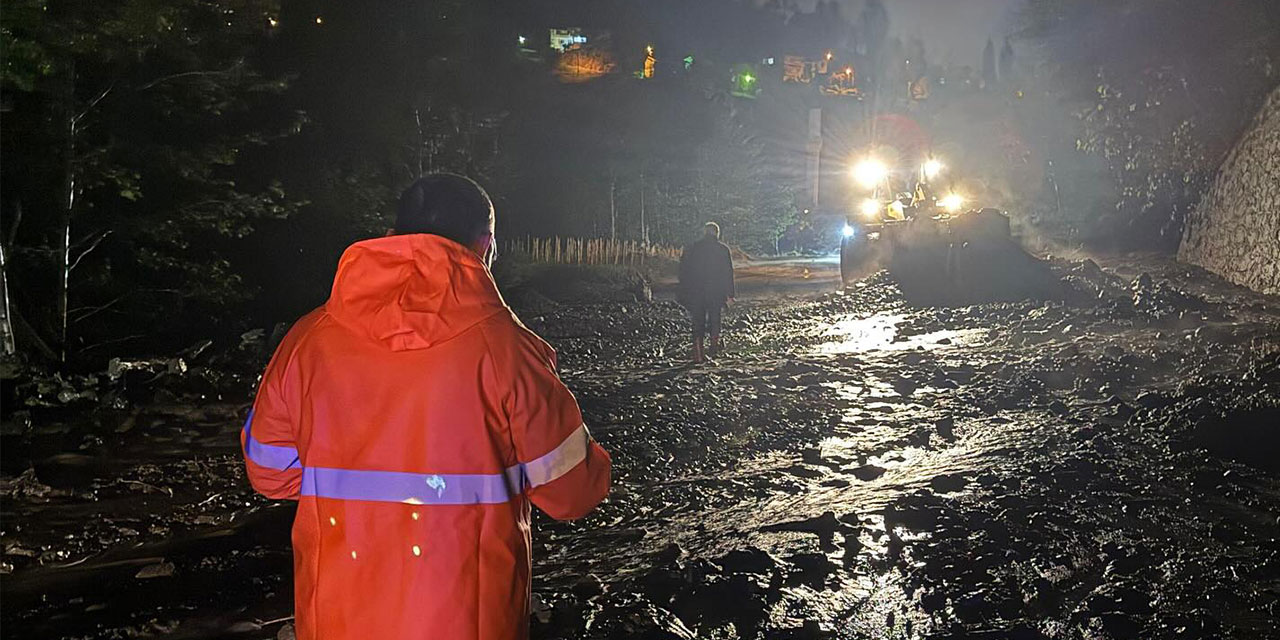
<point>706,272</point>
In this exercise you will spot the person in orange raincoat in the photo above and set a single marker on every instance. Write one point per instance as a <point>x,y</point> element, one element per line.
<point>414,419</point>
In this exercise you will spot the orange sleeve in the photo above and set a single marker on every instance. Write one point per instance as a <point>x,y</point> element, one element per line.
<point>267,440</point>
<point>566,470</point>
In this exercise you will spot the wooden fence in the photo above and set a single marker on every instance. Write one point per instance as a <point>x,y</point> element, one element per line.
<point>588,251</point>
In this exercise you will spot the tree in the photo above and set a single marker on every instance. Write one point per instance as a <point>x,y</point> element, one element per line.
<point>1160,90</point>
<point>1006,62</point>
<point>874,31</point>
<point>129,125</point>
<point>989,65</point>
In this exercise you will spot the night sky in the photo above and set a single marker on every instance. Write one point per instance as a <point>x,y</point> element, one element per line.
<point>953,30</point>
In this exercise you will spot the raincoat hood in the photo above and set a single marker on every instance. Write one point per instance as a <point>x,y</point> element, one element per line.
<point>412,291</point>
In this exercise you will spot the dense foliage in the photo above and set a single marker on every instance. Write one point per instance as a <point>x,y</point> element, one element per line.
<point>183,168</point>
<point>1160,90</point>
<point>133,157</point>
<point>179,168</point>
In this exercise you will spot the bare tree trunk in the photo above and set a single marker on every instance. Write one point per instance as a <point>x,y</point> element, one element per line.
<point>613,206</point>
<point>644,228</point>
<point>65,211</point>
<point>422,142</point>
<point>7,344</point>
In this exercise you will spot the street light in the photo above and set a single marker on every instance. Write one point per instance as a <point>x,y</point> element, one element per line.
<point>870,172</point>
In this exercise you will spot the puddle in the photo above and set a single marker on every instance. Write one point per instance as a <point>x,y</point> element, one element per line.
<point>880,333</point>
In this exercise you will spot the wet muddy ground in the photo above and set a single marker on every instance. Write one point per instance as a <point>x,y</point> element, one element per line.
<point>1103,466</point>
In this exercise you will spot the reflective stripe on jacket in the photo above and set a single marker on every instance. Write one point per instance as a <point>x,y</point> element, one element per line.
<point>415,419</point>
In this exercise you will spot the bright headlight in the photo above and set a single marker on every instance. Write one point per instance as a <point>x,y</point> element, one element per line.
<point>870,208</point>
<point>847,230</point>
<point>952,203</point>
<point>869,173</point>
<point>932,168</point>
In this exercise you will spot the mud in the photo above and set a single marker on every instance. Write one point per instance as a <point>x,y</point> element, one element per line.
<point>1100,466</point>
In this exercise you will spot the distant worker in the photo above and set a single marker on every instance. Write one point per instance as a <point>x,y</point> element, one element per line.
<point>414,419</point>
<point>706,287</point>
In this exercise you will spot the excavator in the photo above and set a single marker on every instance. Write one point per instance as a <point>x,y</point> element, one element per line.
<point>937,246</point>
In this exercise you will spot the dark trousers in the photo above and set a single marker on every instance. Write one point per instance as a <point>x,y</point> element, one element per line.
<point>706,317</point>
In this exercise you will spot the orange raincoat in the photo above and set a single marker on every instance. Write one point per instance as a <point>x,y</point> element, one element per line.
<point>414,419</point>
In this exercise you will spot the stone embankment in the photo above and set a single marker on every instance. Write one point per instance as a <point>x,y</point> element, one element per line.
<point>1235,232</point>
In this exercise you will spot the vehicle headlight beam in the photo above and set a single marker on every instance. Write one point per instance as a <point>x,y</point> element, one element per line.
<point>869,173</point>
<point>870,208</point>
<point>952,203</point>
<point>932,167</point>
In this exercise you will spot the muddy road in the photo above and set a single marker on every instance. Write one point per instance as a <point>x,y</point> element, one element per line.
<point>1102,466</point>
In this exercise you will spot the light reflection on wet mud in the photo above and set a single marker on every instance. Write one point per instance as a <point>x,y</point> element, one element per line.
<point>853,468</point>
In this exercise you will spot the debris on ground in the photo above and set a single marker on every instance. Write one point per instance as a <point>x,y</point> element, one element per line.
<point>1100,465</point>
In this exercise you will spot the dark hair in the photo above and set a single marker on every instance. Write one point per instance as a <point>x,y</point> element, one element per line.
<point>447,205</point>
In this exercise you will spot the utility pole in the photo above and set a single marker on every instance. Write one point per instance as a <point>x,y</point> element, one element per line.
<point>814,148</point>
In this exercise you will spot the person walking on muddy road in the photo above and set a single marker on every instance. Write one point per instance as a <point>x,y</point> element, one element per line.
<point>414,419</point>
<point>706,287</point>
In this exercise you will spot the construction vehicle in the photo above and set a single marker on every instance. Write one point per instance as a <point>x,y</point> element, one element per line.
<point>936,247</point>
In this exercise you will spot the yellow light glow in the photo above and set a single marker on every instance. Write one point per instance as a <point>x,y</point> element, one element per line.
<point>870,208</point>
<point>932,168</point>
<point>896,210</point>
<point>417,551</point>
<point>828,55</point>
<point>952,202</point>
<point>273,22</point>
<point>415,515</point>
<point>870,172</point>
<point>353,554</point>
<point>649,49</point>
<point>333,522</point>
<point>319,20</point>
